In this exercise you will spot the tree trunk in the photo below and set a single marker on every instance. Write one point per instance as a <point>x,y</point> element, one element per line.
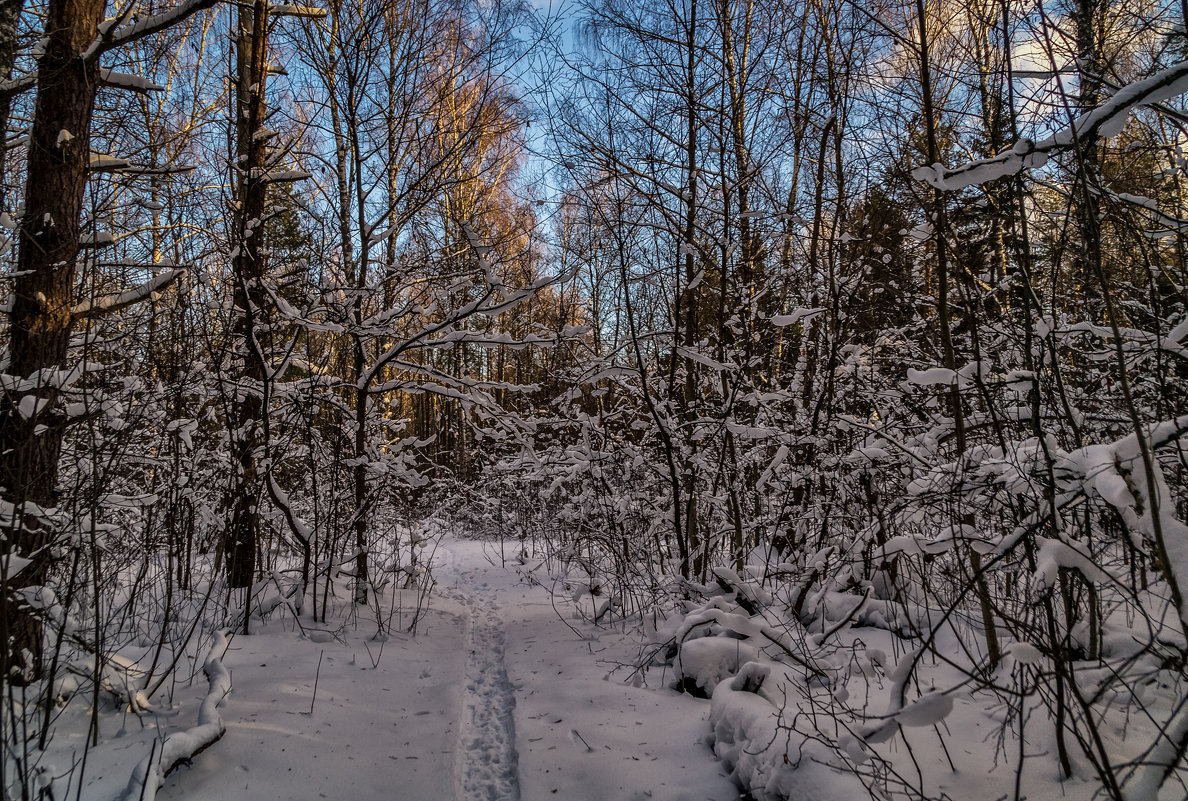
<point>248,264</point>
<point>944,320</point>
<point>40,320</point>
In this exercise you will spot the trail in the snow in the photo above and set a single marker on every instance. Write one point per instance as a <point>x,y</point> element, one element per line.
<point>541,718</point>
<point>486,766</point>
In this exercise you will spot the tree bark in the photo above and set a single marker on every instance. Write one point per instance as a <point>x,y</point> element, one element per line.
<point>251,152</point>
<point>40,320</point>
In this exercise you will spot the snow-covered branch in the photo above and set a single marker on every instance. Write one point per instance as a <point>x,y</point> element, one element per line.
<point>302,530</point>
<point>15,86</point>
<point>1108,119</point>
<point>487,304</point>
<point>308,12</point>
<point>111,36</point>
<point>121,300</point>
<point>183,746</point>
<point>121,80</point>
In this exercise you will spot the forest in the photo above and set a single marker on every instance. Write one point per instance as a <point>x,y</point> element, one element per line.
<point>836,350</point>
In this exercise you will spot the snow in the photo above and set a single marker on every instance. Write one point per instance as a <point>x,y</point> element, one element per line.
<point>784,320</point>
<point>583,733</point>
<point>284,176</point>
<point>702,359</point>
<point>931,376</point>
<point>930,709</point>
<point>1145,783</point>
<point>31,405</point>
<point>1053,555</point>
<point>96,239</point>
<point>101,162</point>
<point>1024,653</point>
<point>125,80</point>
<point>707,661</point>
<point>501,693</point>
<point>1116,472</point>
<point>486,760</point>
<point>833,705</point>
<point>746,725</point>
<point>11,564</point>
<point>297,11</point>
<point>780,457</point>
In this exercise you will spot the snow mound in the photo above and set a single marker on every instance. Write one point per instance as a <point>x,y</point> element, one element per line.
<point>768,758</point>
<point>705,662</point>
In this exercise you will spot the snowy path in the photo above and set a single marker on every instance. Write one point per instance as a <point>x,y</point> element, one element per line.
<point>486,761</point>
<point>581,734</point>
<point>495,699</point>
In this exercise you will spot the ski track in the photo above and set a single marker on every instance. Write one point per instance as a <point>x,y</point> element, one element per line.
<point>486,768</point>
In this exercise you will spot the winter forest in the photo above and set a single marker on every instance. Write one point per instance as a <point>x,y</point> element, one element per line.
<point>681,399</point>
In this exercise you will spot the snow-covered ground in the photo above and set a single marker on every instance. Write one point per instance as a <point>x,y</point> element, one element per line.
<point>499,695</point>
<point>502,692</point>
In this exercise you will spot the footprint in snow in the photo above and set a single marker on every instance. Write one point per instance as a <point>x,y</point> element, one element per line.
<point>487,758</point>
